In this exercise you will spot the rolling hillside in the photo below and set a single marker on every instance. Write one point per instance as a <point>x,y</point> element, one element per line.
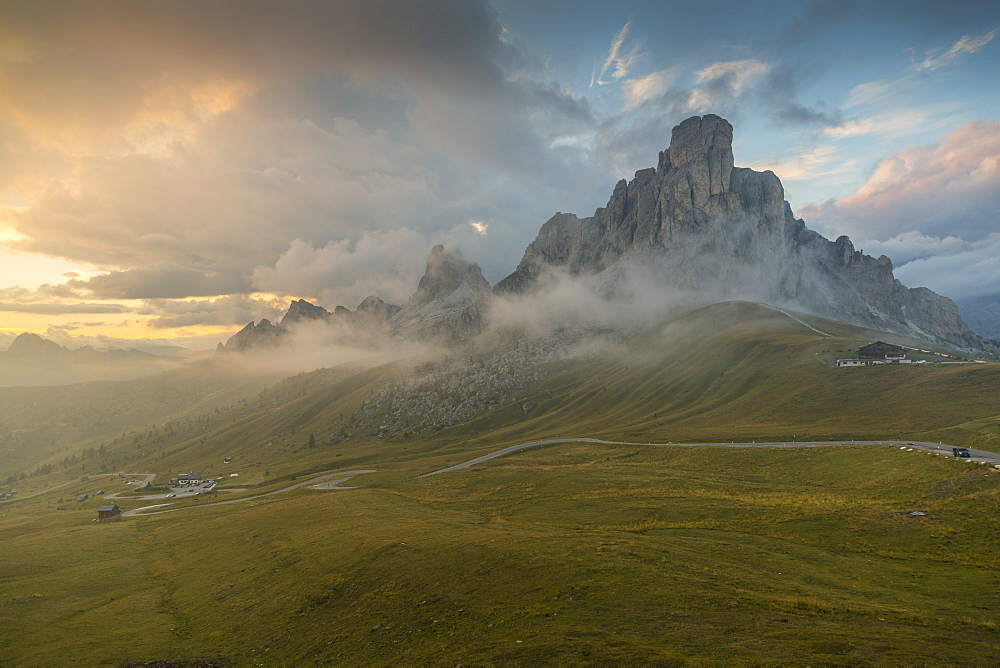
<point>572,553</point>
<point>733,371</point>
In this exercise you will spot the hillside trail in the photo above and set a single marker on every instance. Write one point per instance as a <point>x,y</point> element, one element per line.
<point>801,322</point>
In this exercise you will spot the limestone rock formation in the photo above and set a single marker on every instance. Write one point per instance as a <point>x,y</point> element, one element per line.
<point>262,335</point>
<point>447,305</point>
<point>377,310</point>
<point>721,232</point>
<point>302,311</point>
<point>372,315</point>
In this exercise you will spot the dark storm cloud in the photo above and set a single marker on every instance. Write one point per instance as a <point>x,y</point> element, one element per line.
<point>189,143</point>
<point>778,94</point>
<point>450,42</point>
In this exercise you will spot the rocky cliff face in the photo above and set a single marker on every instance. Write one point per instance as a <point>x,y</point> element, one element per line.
<point>262,335</point>
<point>377,310</point>
<point>724,232</point>
<point>302,311</point>
<point>447,305</point>
<point>371,314</point>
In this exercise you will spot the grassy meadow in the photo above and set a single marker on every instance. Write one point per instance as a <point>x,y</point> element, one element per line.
<point>565,554</point>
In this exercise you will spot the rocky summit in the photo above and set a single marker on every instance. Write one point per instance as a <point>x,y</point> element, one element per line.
<point>712,231</point>
<point>447,304</point>
<point>696,227</point>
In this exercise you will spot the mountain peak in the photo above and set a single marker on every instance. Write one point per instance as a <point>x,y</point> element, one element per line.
<point>28,344</point>
<point>721,232</point>
<point>374,308</point>
<point>703,146</point>
<point>255,336</point>
<point>446,272</point>
<point>301,310</point>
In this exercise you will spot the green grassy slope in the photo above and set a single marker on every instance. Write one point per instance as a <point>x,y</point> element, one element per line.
<point>742,372</point>
<point>733,371</point>
<point>41,425</point>
<point>567,554</point>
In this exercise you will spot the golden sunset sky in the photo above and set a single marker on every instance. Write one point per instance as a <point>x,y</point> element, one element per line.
<point>170,171</point>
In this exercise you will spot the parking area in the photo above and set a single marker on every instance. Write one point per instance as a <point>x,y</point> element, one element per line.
<point>190,489</point>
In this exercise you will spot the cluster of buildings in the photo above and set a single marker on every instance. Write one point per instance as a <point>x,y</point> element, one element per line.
<point>184,479</point>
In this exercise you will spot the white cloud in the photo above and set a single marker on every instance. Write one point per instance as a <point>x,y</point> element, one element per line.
<point>479,227</point>
<point>822,160</point>
<point>741,71</point>
<point>621,62</point>
<point>967,45</point>
<point>947,189</point>
<point>914,245</point>
<point>723,81</point>
<point>894,123</point>
<point>387,264</point>
<point>873,92</point>
<point>646,88</point>
<point>225,311</point>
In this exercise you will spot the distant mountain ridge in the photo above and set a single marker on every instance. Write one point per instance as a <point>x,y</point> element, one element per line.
<point>372,312</point>
<point>982,313</point>
<point>34,360</point>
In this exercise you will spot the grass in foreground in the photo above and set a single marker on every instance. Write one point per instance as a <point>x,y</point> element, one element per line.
<point>567,554</point>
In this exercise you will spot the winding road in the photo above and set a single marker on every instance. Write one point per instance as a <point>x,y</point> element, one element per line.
<point>324,482</point>
<point>936,448</point>
<point>332,484</point>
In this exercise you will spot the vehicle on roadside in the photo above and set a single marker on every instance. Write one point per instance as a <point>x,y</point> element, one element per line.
<point>961,452</point>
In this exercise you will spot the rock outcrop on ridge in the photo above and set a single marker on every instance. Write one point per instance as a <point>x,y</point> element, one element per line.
<point>445,308</point>
<point>447,304</point>
<point>371,313</point>
<point>717,231</point>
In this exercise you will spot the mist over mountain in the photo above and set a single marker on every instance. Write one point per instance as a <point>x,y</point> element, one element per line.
<point>714,231</point>
<point>32,360</point>
<point>695,228</point>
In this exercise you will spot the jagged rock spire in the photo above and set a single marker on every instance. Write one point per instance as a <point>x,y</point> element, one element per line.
<point>446,272</point>
<point>725,232</point>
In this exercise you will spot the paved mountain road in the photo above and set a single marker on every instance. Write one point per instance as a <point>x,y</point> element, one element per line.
<point>935,448</point>
<point>344,475</point>
<point>325,482</point>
